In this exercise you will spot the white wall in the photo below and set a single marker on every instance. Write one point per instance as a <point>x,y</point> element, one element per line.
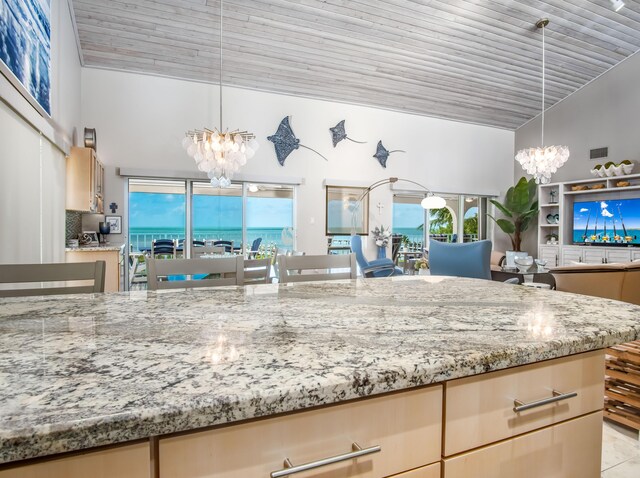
<point>141,120</point>
<point>603,113</point>
<point>32,162</point>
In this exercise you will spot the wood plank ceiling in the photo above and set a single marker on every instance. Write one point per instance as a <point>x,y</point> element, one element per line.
<point>470,60</point>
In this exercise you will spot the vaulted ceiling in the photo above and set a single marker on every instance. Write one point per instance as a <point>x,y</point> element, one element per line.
<point>471,60</point>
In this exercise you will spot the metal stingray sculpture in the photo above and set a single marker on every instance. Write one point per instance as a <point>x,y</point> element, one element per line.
<point>285,142</point>
<point>338,134</point>
<point>382,154</point>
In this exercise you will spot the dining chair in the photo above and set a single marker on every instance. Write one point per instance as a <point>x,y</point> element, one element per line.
<point>228,245</point>
<point>257,271</point>
<point>60,272</point>
<point>213,272</point>
<point>308,268</point>
<point>198,251</point>
<point>376,268</point>
<point>471,259</point>
<point>163,247</point>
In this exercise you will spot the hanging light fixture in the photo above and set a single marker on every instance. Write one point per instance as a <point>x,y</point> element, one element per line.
<point>219,152</point>
<point>543,161</point>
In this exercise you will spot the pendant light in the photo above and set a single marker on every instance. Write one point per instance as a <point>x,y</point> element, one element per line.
<point>543,161</point>
<point>219,152</point>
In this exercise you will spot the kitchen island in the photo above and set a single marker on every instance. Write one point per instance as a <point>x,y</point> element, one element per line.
<point>80,372</point>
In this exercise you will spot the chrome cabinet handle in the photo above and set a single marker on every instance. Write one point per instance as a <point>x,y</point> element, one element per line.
<point>520,406</point>
<point>357,452</point>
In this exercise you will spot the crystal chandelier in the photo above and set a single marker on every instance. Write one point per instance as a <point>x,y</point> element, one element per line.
<point>218,152</point>
<point>542,162</point>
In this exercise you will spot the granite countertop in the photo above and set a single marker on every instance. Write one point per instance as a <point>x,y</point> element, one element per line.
<point>84,371</point>
<point>93,248</point>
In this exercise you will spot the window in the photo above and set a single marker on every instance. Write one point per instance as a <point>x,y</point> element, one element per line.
<point>269,216</point>
<point>156,211</point>
<point>216,213</point>
<point>344,214</point>
<point>408,220</point>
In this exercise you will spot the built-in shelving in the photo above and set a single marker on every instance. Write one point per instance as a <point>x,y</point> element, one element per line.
<point>564,252</point>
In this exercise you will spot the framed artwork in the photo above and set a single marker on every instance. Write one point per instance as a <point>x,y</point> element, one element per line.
<point>343,212</point>
<point>25,52</point>
<point>115,223</point>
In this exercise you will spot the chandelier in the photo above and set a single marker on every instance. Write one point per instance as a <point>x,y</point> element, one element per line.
<point>218,152</point>
<point>543,161</point>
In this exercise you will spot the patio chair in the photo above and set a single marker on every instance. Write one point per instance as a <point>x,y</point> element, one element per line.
<point>228,245</point>
<point>255,245</point>
<point>164,247</point>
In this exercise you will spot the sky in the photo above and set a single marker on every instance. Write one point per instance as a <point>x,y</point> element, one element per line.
<point>630,209</point>
<point>168,210</point>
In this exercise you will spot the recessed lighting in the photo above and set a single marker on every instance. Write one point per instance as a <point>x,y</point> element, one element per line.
<point>617,4</point>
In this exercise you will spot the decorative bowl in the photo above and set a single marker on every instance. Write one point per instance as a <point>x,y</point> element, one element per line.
<point>610,171</point>
<point>627,167</point>
<point>523,263</point>
<point>540,263</point>
<point>597,171</point>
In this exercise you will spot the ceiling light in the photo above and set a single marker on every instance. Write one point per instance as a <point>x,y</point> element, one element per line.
<point>617,4</point>
<point>219,152</point>
<point>253,188</point>
<point>542,162</point>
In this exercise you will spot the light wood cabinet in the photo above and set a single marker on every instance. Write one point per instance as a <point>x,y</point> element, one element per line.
<point>431,471</point>
<point>569,450</point>
<point>112,266</point>
<point>480,409</point>
<point>132,461</point>
<point>85,181</point>
<point>407,426</point>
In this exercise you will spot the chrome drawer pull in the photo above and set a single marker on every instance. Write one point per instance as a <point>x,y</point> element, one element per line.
<point>357,452</point>
<point>520,406</point>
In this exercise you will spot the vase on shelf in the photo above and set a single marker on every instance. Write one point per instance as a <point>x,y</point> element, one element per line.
<point>382,252</point>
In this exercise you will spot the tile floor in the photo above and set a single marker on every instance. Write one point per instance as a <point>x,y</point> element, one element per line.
<point>620,452</point>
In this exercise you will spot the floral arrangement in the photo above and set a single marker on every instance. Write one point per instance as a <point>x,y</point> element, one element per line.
<point>382,236</point>
<point>421,263</point>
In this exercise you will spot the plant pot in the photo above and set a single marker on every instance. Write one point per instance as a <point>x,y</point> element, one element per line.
<point>382,252</point>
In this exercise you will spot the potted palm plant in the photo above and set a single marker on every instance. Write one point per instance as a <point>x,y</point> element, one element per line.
<point>519,208</point>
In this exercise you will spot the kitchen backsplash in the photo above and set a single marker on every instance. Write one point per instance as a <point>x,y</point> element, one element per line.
<point>73,225</point>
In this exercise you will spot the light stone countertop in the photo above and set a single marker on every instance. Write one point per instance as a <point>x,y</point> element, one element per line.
<point>84,371</point>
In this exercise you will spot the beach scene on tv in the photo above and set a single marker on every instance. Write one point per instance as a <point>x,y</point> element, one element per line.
<point>607,222</point>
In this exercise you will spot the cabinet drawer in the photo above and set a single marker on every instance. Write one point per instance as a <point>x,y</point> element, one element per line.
<point>132,461</point>
<point>407,426</point>
<point>431,471</point>
<point>569,450</point>
<point>480,409</point>
<point>594,257</point>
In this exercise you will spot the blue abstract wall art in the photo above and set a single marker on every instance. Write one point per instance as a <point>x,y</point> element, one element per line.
<point>285,142</point>
<point>25,46</point>
<point>382,154</point>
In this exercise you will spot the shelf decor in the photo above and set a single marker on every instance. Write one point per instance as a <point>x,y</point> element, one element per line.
<point>543,161</point>
<point>218,152</point>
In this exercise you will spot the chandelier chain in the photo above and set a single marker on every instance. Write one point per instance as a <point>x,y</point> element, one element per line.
<point>220,85</point>
<point>543,83</point>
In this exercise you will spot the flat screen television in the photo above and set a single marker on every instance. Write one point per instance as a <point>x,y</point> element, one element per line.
<point>615,222</point>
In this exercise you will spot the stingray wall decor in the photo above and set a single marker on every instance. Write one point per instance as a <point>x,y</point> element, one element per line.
<point>285,142</point>
<point>338,134</point>
<point>382,154</point>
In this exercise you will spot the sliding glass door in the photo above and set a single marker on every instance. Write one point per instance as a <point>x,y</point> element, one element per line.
<point>270,217</point>
<point>157,210</point>
<point>216,213</point>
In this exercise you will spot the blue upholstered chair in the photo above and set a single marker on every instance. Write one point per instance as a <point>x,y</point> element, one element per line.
<point>471,259</point>
<point>376,268</point>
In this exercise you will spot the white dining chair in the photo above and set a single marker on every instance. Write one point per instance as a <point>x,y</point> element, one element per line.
<point>199,251</point>
<point>257,271</point>
<point>216,272</point>
<point>316,268</point>
<point>15,274</point>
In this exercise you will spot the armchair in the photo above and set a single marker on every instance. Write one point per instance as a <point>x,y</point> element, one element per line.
<point>376,268</point>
